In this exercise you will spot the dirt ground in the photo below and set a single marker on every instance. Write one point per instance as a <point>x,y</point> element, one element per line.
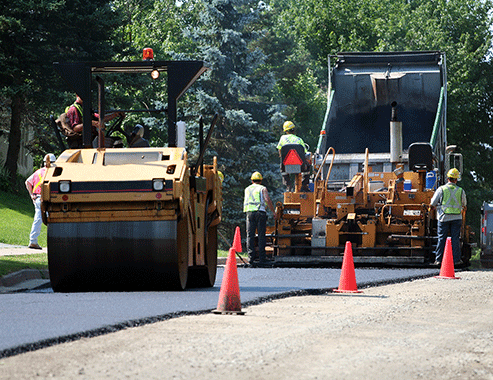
<point>425,329</point>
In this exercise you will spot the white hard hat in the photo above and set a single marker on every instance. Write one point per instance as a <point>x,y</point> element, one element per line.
<point>138,130</point>
<point>51,156</point>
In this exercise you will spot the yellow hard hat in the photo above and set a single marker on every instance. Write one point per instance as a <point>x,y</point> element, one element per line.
<point>287,126</point>
<point>256,176</point>
<point>453,173</point>
<point>221,175</point>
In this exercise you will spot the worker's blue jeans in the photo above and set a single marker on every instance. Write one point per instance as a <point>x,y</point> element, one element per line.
<point>443,229</point>
<point>256,221</point>
<point>37,222</point>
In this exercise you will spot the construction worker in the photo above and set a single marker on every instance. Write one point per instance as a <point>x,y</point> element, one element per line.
<point>137,139</point>
<point>254,205</point>
<point>33,186</point>
<point>290,138</point>
<point>75,119</point>
<point>449,200</point>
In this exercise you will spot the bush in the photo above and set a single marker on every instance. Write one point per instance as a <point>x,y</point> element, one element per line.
<point>5,184</point>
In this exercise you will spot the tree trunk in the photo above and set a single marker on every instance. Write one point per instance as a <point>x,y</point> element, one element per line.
<point>14,138</point>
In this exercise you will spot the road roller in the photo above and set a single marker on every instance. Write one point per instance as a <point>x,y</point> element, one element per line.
<point>134,218</point>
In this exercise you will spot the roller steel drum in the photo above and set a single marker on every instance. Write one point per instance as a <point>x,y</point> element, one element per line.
<point>122,255</point>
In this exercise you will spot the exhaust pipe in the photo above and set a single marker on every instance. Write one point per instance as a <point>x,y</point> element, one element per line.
<point>395,136</point>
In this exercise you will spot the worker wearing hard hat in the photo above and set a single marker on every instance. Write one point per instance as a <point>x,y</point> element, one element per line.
<point>254,205</point>
<point>290,138</point>
<point>449,200</point>
<point>74,114</point>
<point>33,186</point>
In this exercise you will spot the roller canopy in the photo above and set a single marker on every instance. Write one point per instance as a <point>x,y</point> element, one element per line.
<point>181,75</point>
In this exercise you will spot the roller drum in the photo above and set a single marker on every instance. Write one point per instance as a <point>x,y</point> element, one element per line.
<point>117,256</point>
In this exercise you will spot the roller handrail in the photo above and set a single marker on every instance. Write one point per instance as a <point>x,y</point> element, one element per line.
<point>326,180</point>
<point>204,147</point>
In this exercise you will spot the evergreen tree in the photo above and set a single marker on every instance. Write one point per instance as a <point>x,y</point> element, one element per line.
<point>236,88</point>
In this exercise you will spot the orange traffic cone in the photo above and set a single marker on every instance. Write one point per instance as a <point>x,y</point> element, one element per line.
<point>237,241</point>
<point>347,282</point>
<point>229,295</point>
<point>447,268</point>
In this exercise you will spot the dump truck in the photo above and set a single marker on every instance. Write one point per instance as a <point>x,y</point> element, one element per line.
<point>136,218</point>
<point>381,153</point>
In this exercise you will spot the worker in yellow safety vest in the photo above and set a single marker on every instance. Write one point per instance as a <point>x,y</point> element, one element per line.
<point>449,200</point>
<point>290,138</point>
<point>75,117</point>
<point>33,186</point>
<point>254,205</point>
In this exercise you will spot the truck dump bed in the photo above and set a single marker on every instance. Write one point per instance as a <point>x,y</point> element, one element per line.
<point>362,88</point>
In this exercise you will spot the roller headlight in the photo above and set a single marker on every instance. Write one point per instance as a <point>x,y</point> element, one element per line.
<point>64,186</point>
<point>158,184</point>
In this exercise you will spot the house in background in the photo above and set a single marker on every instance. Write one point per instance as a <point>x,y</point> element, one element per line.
<point>25,162</point>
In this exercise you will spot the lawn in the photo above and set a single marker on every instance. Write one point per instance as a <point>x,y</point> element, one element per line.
<point>10,264</point>
<point>16,218</point>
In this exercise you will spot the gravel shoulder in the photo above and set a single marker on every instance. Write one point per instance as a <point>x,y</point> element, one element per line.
<point>429,328</point>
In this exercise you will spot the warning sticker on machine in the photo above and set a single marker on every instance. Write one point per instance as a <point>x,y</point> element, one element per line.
<point>292,212</point>
<point>412,212</point>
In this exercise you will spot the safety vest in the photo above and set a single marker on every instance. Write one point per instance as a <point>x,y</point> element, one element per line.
<point>79,108</point>
<point>290,139</point>
<point>253,198</point>
<point>38,181</point>
<point>452,199</point>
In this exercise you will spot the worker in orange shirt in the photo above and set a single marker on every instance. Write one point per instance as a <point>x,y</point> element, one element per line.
<point>33,186</point>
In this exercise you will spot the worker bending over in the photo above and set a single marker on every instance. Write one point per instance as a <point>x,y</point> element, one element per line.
<point>33,186</point>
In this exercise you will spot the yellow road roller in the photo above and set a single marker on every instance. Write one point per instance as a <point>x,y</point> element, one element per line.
<point>136,218</point>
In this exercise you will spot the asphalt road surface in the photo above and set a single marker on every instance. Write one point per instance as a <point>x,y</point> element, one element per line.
<point>29,321</point>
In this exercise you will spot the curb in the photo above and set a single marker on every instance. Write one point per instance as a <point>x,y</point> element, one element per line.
<point>25,279</point>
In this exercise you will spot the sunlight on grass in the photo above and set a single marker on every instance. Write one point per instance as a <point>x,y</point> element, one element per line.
<point>9,264</point>
<point>16,218</point>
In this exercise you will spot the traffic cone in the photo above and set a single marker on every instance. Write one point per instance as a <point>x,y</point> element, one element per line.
<point>237,241</point>
<point>229,295</point>
<point>447,268</point>
<point>347,281</point>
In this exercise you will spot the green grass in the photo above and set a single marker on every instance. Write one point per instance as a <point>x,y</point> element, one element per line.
<point>16,218</point>
<point>10,264</point>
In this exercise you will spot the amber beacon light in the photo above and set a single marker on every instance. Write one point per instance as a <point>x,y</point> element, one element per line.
<point>148,54</point>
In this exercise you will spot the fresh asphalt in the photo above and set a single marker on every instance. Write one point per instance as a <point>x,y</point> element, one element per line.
<point>40,318</point>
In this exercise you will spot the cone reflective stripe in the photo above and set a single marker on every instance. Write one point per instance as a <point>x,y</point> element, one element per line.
<point>347,281</point>
<point>229,295</point>
<point>237,241</point>
<point>447,268</point>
